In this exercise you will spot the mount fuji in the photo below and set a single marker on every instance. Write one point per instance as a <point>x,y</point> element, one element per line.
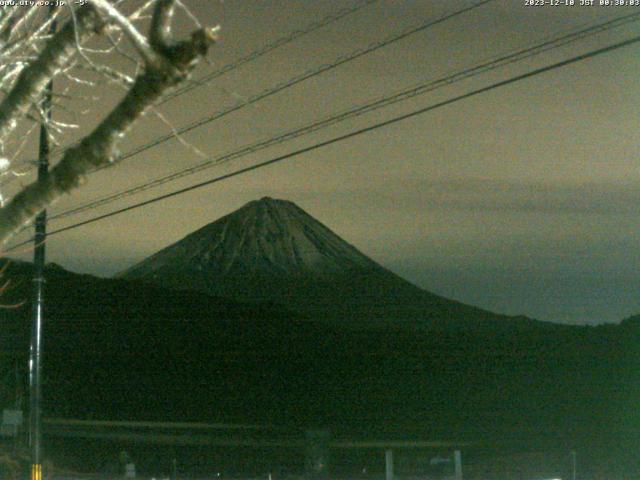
<point>272,250</point>
<point>313,332</point>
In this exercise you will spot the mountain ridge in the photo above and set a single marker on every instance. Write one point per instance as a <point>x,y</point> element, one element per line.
<point>152,353</point>
<point>272,250</point>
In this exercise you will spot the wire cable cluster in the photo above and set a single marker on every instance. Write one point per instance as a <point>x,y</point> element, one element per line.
<point>341,138</point>
<point>357,111</point>
<point>252,56</point>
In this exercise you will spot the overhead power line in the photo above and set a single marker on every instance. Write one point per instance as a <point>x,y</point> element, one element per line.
<point>301,78</point>
<point>334,140</point>
<point>297,80</point>
<point>494,63</point>
<point>254,55</point>
<point>280,42</point>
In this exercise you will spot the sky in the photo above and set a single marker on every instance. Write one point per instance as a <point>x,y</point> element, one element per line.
<point>521,200</point>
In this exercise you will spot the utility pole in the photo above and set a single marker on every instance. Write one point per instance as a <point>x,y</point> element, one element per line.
<point>574,464</point>
<point>457,462</point>
<point>388,460</point>
<point>35,353</point>
<point>174,469</point>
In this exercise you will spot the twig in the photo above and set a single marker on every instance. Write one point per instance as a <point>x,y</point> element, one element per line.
<point>170,64</point>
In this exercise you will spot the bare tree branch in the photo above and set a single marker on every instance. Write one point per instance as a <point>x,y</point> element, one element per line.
<point>138,40</point>
<point>172,63</point>
<point>34,78</point>
<point>160,34</point>
<point>10,22</point>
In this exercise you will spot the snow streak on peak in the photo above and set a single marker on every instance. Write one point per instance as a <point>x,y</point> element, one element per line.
<point>265,237</point>
<point>272,250</point>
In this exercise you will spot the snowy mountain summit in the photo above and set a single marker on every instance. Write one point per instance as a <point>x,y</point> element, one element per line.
<point>272,250</point>
<point>264,237</point>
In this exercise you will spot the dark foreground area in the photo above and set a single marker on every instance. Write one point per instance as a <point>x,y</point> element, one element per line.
<point>123,350</point>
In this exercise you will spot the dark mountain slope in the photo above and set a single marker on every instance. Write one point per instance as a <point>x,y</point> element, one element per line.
<point>120,349</point>
<point>273,250</point>
<point>126,350</point>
